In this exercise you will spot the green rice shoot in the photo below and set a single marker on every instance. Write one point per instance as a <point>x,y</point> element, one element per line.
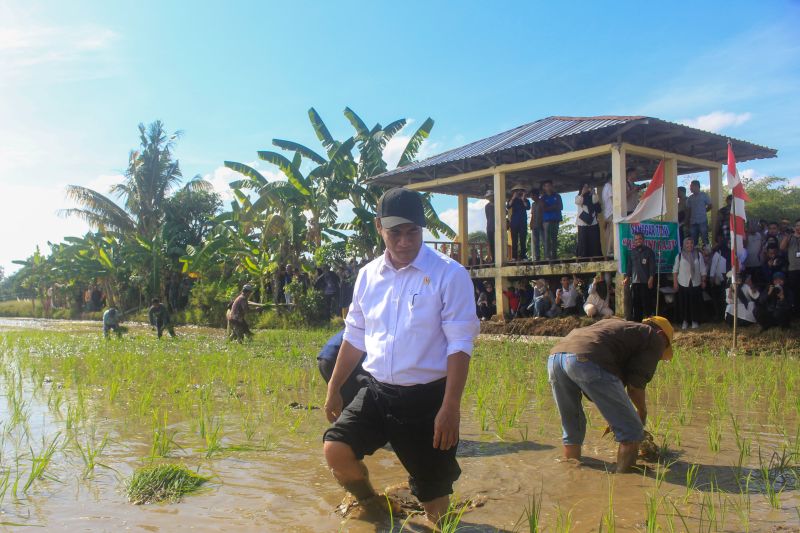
<point>162,482</point>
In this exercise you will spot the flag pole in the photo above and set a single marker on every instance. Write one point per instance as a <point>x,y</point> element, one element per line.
<point>734,263</point>
<point>658,260</point>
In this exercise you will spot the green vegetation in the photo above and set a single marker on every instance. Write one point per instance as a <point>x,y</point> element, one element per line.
<point>77,406</point>
<point>155,228</point>
<point>162,482</point>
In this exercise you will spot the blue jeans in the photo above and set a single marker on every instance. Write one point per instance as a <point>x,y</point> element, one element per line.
<point>570,376</point>
<point>698,230</point>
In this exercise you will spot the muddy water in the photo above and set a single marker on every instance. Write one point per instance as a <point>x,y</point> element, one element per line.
<point>288,487</point>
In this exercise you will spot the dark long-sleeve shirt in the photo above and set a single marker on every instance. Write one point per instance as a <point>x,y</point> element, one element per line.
<point>158,314</point>
<point>629,350</point>
<point>641,264</point>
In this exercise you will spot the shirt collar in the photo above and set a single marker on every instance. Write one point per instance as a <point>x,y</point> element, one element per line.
<point>419,262</point>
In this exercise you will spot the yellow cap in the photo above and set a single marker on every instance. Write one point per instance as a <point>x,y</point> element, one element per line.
<point>666,327</point>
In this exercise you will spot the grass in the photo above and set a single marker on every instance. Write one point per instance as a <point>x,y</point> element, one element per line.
<point>202,399</point>
<point>162,482</point>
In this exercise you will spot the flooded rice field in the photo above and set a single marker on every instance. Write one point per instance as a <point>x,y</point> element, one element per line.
<point>79,414</point>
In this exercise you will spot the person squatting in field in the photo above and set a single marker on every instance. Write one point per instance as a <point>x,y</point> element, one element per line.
<point>413,314</point>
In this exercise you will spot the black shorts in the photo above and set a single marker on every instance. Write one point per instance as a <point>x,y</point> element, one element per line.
<point>403,417</point>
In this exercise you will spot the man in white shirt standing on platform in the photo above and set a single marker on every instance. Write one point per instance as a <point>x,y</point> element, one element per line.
<point>413,314</point>
<point>607,198</point>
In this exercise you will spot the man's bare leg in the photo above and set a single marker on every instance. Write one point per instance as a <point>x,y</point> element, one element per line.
<point>351,473</point>
<point>436,508</point>
<point>626,456</point>
<point>572,451</point>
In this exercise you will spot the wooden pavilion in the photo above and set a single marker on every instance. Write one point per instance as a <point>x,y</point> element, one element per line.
<point>570,151</point>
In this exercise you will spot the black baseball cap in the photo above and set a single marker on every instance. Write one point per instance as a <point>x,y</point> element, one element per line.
<point>400,206</point>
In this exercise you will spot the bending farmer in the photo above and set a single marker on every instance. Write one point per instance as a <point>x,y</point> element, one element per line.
<point>602,361</point>
<point>413,313</point>
<point>111,320</point>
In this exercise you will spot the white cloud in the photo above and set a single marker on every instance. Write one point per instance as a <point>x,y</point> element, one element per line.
<point>717,120</point>
<point>30,219</point>
<point>795,181</point>
<point>476,216</point>
<point>394,148</point>
<point>222,176</point>
<point>750,173</point>
<point>67,53</point>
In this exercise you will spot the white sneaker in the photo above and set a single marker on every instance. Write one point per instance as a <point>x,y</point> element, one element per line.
<point>684,325</point>
<point>695,325</point>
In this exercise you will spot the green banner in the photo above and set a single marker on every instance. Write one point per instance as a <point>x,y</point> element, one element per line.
<point>661,237</point>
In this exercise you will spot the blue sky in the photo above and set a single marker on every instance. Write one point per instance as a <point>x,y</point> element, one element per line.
<point>77,77</point>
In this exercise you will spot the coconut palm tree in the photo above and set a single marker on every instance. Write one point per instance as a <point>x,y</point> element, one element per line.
<point>151,176</point>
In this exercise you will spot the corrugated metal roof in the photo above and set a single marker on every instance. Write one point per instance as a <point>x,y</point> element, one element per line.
<point>552,128</point>
<point>527,134</point>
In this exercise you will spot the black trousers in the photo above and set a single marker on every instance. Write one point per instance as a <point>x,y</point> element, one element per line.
<point>641,302</point>
<point>490,238</point>
<point>689,303</point>
<point>519,242</point>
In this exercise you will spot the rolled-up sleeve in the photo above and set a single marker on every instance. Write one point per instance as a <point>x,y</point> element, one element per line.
<point>354,324</point>
<point>459,319</point>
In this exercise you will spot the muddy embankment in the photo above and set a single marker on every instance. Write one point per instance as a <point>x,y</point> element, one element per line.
<point>752,340</point>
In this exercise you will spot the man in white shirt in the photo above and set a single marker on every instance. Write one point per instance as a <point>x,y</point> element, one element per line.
<point>607,198</point>
<point>413,314</point>
<point>567,297</point>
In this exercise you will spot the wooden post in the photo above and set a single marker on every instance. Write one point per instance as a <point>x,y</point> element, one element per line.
<point>671,190</point>
<point>717,201</point>
<point>463,229</point>
<point>620,194</point>
<point>499,240</point>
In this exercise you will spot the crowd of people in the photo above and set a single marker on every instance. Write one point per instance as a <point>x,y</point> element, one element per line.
<point>700,288</point>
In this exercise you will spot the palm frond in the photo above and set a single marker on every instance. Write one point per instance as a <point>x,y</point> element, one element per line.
<point>321,129</point>
<point>355,120</point>
<point>254,175</point>
<point>412,148</point>
<point>290,171</point>
<point>98,210</point>
<point>305,151</point>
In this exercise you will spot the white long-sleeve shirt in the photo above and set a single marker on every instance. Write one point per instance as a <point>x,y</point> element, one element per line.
<point>608,201</point>
<point>744,310</point>
<point>718,269</point>
<point>690,269</point>
<point>410,320</point>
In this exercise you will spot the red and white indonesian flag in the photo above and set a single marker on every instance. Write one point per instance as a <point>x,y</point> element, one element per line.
<point>651,204</point>
<point>738,218</point>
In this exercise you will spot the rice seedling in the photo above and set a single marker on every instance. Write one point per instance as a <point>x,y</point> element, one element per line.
<point>162,482</point>
<point>40,461</point>
<point>449,523</point>
<point>163,438</point>
<point>691,481</point>
<point>90,451</point>
<point>564,520</point>
<point>609,519</point>
<point>532,513</point>
<point>651,516</point>
<point>714,434</point>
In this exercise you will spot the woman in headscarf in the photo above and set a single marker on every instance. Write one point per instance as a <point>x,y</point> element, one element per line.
<point>689,278</point>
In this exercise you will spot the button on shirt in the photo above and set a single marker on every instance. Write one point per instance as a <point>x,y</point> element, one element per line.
<point>410,320</point>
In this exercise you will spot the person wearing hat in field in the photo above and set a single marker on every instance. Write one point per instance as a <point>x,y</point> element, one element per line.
<point>237,315</point>
<point>413,313</point>
<point>610,362</point>
<point>518,206</point>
